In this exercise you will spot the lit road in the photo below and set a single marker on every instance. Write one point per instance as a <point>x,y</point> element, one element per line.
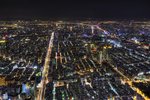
<point>113,89</point>
<point>44,80</point>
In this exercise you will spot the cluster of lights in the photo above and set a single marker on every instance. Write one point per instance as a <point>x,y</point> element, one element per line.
<point>109,47</point>
<point>2,41</point>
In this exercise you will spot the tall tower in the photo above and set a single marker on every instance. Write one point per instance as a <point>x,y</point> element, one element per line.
<point>92,29</point>
<point>54,91</point>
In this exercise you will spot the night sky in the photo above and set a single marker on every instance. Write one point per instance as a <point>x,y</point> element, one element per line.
<point>74,9</point>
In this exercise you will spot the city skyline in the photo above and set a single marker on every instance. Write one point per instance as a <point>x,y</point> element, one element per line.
<point>74,50</point>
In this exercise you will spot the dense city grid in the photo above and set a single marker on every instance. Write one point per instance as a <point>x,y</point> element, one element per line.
<point>78,60</point>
